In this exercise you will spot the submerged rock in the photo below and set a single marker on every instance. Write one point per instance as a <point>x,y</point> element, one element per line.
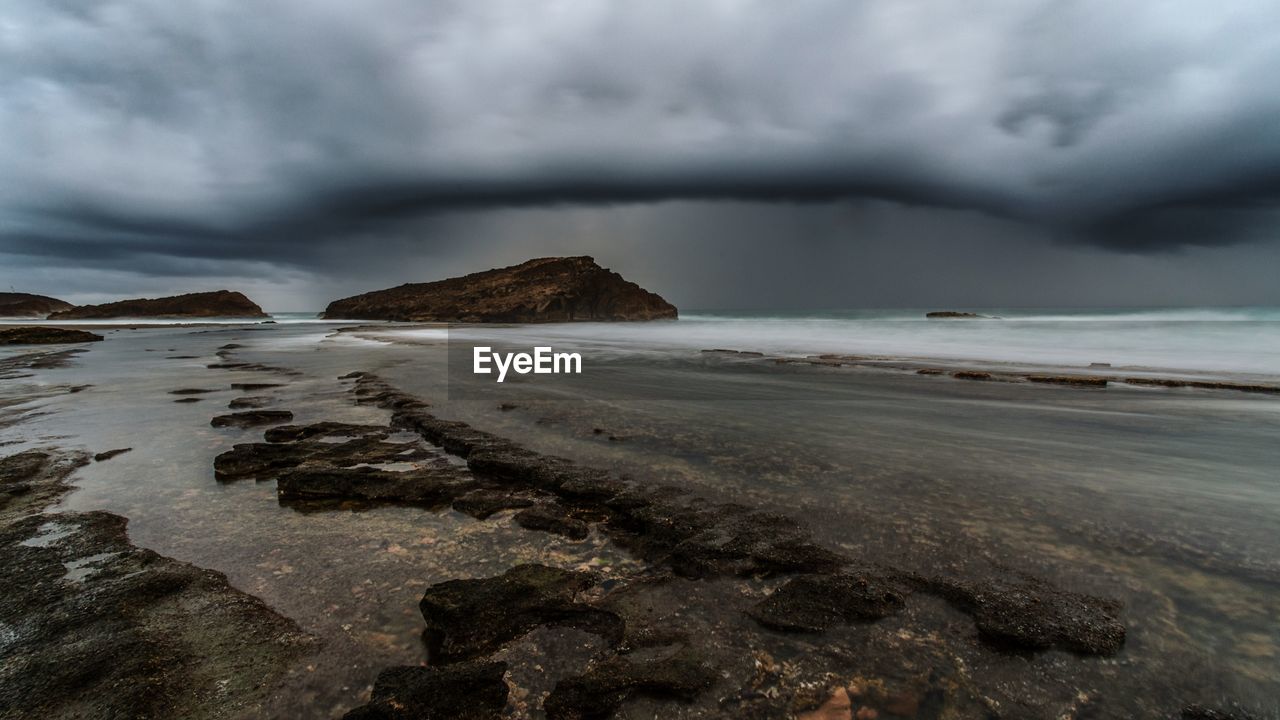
<point>220,303</point>
<point>250,418</point>
<point>249,402</point>
<point>437,485</point>
<point>552,518</point>
<point>470,618</point>
<point>599,692</point>
<point>45,336</point>
<point>813,603</point>
<point>1031,614</point>
<point>462,691</point>
<point>481,504</point>
<point>110,454</point>
<point>557,289</point>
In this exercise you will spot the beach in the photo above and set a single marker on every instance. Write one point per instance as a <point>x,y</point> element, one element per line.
<point>1079,511</point>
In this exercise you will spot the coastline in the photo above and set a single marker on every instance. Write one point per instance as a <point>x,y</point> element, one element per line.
<point>298,373</point>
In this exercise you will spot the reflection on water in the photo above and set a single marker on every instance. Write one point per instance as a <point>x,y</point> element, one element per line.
<point>1165,499</point>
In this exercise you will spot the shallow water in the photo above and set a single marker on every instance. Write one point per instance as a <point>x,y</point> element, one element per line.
<point>1165,499</point>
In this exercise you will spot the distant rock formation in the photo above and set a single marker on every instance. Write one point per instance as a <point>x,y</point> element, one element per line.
<point>220,303</point>
<point>953,315</point>
<point>558,289</point>
<point>44,336</point>
<point>25,305</point>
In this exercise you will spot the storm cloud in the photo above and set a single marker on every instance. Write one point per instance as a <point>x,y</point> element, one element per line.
<point>236,140</point>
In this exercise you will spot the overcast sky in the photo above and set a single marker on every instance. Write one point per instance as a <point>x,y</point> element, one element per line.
<point>809,153</point>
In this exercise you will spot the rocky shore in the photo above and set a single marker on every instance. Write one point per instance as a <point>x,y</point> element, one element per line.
<point>725,609</point>
<point>93,626</point>
<point>562,289</point>
<point>761,565</point>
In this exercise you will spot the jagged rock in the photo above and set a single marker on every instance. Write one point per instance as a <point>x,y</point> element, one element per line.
<point>26,305</point>
<point>220,303</point>
<point>463,691</point>
<point>45,336</point>
<point>557,289</point>
<point>599,692</point>
<point>814,603</point>
<point>250,387</point>
<point>191,391</point>
<point>187,400</point>
<point>470,618</point>
<point>972,375</point>
<point>250,418</point>
<point>553,519</point>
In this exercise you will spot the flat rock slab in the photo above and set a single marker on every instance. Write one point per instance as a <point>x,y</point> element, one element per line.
<point>95,627</point>
<point>326,429</point>
<point>434,486</point>
<point>252,418</point>
<point>266,460</point>
<point>45,336</point>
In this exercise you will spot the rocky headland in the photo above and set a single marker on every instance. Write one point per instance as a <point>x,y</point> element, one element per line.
<point>557,289</point>
<point>26,305</point>
<point>219,303</point>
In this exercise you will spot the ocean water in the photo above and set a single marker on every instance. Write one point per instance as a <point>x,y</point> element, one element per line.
<point>1217,341</point>
<point>1230,341</point>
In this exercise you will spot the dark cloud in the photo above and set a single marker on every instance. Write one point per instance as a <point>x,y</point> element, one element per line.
<point>280,134</point>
